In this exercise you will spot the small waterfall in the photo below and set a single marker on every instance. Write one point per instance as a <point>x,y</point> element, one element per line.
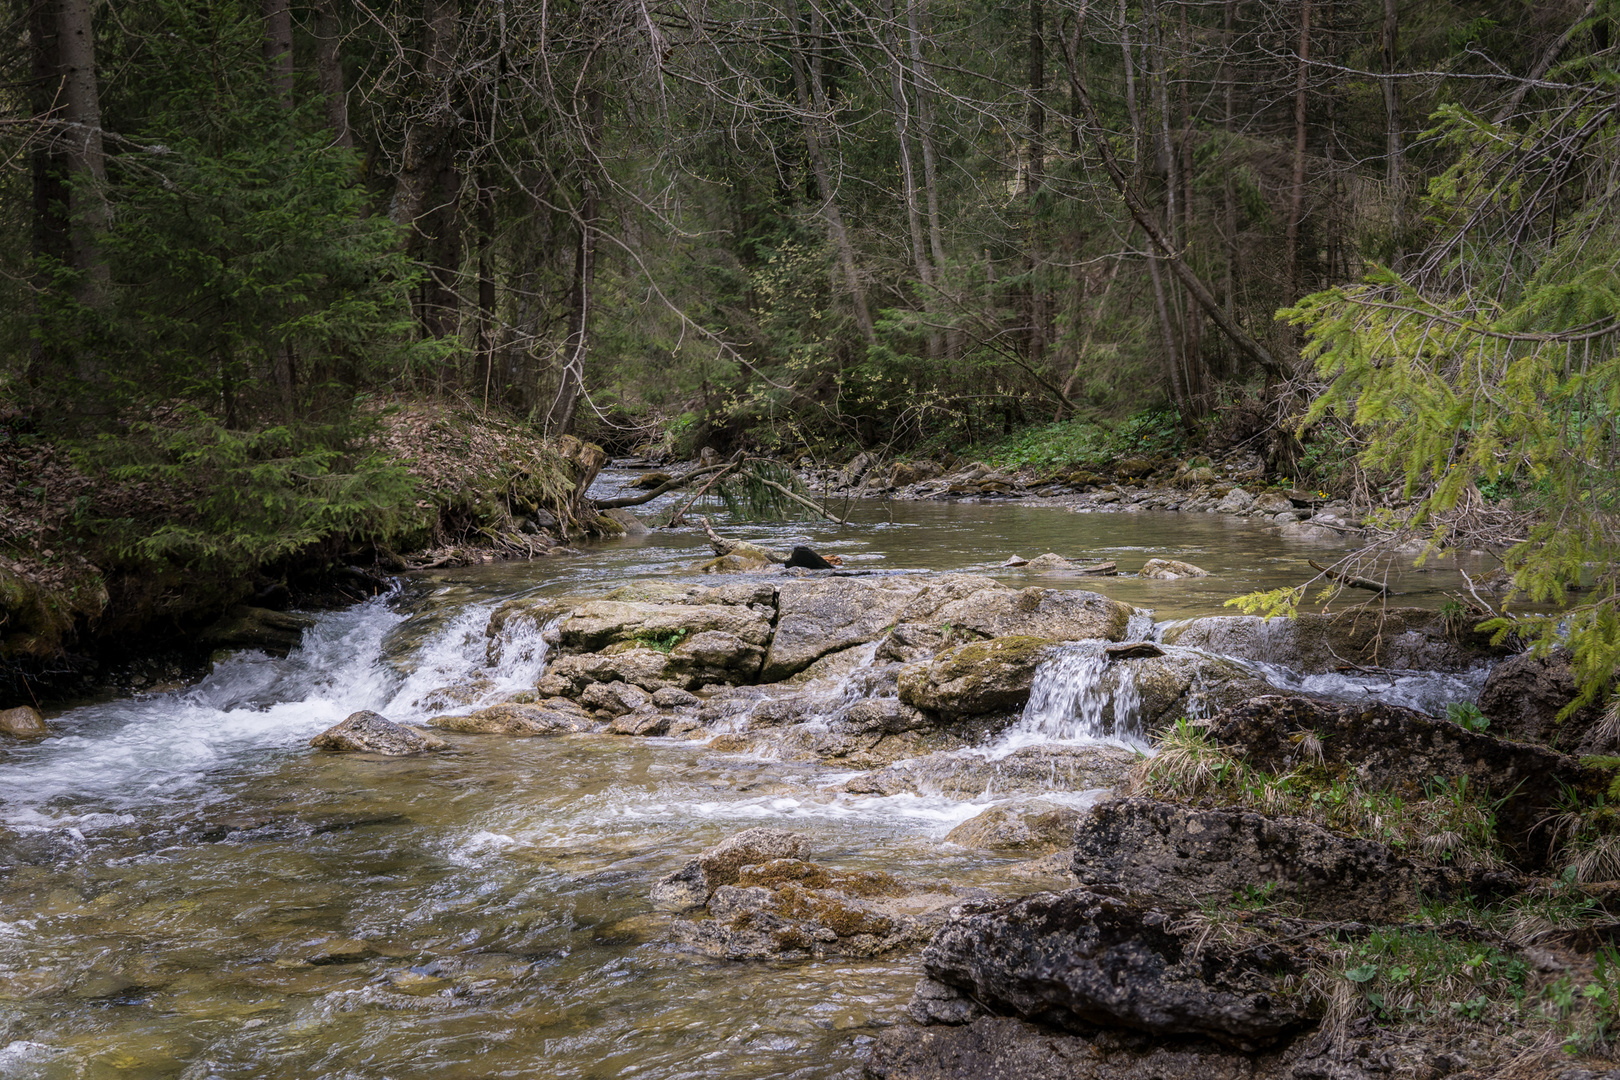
<point>1079,696</point>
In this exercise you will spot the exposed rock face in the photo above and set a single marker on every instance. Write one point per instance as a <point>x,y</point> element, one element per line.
<point>1314,643</point>
<point>616,698</point>
<point>1523,696</point>
<point>980,677</point>
<point>717,656</point>
<point>555,716</point>
<point>244,627</point>
<point>1082,957</point>
<point>646,668</point>
<point>787,909</point>
<point>1171,570</point>
<point>1030,827</point>
<point>1236,502</point>
<point>373,734</point>
<point>887,716</point>
<point>1398,748</point>
<point>1181,855</point>
<point>597,624</point>
<point>1050,613</point>
<point>823,616</point>
<point>23,722</point>
<point>1003,1048</point>
<point>693,884</point>
<point>1042,564</point>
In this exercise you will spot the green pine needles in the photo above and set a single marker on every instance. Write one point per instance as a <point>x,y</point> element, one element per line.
<point>1493,363</point>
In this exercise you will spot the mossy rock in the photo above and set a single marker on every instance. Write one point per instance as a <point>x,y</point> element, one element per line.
<point>976,678</point>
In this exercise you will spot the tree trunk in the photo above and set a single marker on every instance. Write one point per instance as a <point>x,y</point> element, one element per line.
<point>1392,128</point>
<point>82,150</point>
<point>813,109</point>
<point>571,387</point>
<point>1036,119</point>
<point>1144,218</point>
<point>278,52</point>
<point>486,286</point>
<point>952,340</point>
<point>429,185</point>
<point>1167,334</point>
<point>49,239</point>
<point>902,133</point>
<point>329,70</point>
<point>1228,188</point>
<point>1296,198</point>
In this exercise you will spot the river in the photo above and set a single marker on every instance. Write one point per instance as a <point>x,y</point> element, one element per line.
<point>187,890</point>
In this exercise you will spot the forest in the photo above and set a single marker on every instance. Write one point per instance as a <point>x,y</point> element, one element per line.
<point>916,539</point>
<point>1375,239</point>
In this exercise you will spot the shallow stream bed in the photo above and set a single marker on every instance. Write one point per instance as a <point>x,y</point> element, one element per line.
<point>187,890</point>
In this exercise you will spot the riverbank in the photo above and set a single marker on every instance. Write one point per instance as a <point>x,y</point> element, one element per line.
<point>524,894</point>
<point>83,608</point>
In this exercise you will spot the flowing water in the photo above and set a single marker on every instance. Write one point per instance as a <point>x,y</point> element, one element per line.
<point>187,890</point>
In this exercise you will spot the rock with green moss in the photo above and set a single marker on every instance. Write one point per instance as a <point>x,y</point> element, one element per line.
<point>597,624</point>
<point>1024,826</point>
<point>980,677</point>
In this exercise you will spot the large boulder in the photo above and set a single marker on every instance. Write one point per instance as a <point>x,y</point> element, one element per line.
<point>368,732</point>
<point>1079,957</point>
<point>556,716</point>
<point>1523,696</point>
<point>1404,751</point>
<point>23,722</point>
<point>979,677</point>
<point>1182,855</point>
<point>693,884</point>
<point>1313,643</point>
<point>597,624</point>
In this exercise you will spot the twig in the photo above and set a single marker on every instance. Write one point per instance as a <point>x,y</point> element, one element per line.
<point>801,500</point>
<point>1350,579</point>
<point>678,516</point>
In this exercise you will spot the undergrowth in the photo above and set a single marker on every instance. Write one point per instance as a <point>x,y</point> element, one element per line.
<point>1155,433</point>
<point>1451,823</point>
